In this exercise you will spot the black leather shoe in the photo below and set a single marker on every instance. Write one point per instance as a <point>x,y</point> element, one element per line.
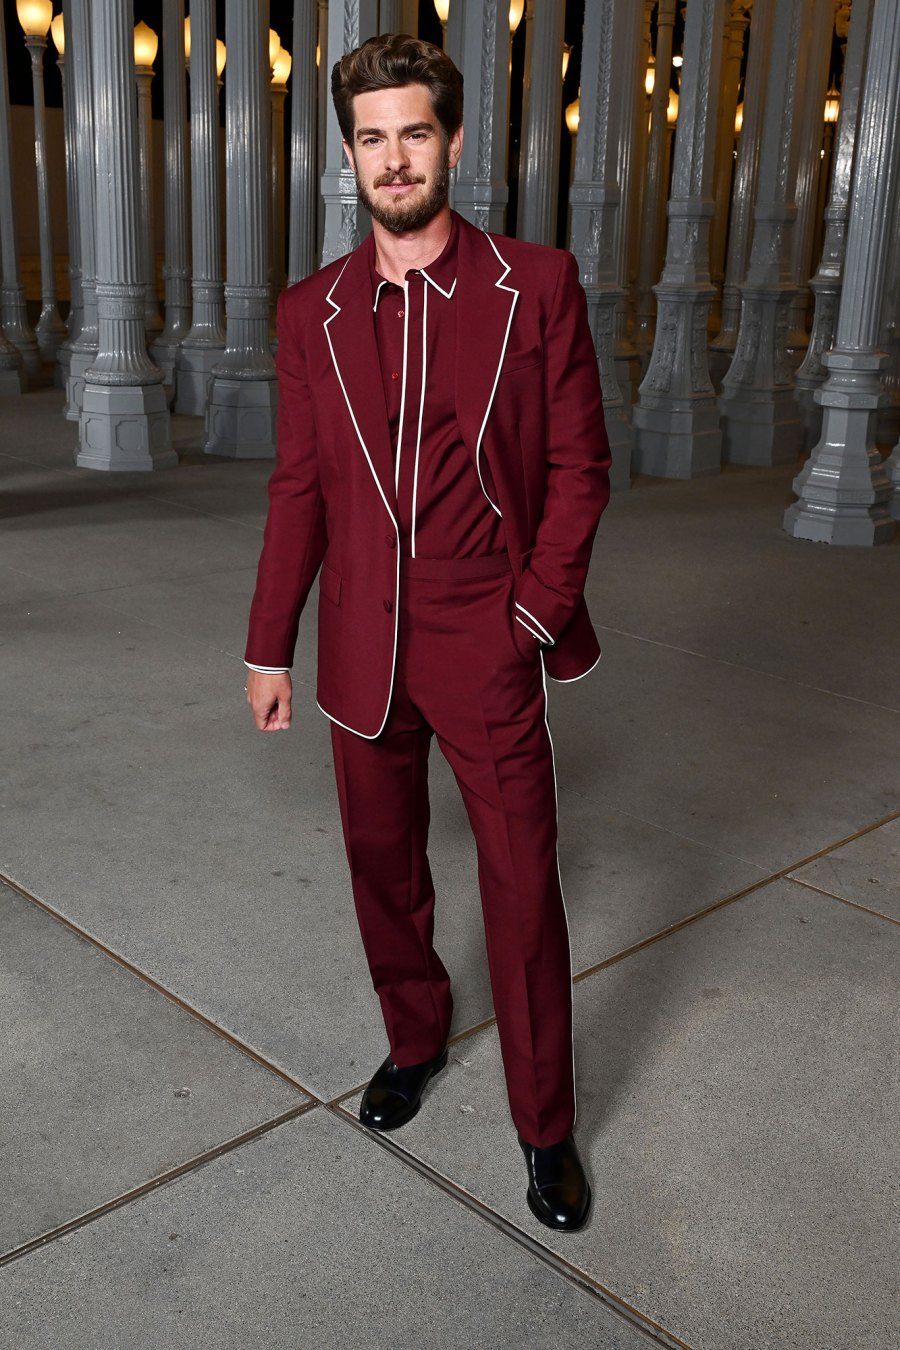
<point>394,1094</point>
<point>558,1190</point>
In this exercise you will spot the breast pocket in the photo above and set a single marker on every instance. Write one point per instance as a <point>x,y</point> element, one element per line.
<point>522,358</point>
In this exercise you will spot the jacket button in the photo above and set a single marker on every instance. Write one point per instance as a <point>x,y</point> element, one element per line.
<point>390,540</point>
<point>388,606</point>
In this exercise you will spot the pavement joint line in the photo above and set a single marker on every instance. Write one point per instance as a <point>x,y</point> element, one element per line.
<point>842,899</point>
<point>737,665</point>
<point>234,1041</point>
<point>655,1333</point>
<point>782,874</point>
<point>164,1178</point>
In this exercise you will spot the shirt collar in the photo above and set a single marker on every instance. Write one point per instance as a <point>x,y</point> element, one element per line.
<point>441,273</point>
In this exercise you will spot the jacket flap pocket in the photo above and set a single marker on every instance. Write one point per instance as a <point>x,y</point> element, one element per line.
<point>330,584</point>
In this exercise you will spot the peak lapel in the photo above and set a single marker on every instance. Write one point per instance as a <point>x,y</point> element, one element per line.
<point>487,302</point>
<point>350,331</point>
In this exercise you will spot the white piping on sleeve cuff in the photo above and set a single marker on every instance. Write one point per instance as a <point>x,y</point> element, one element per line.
<point>537,623</point>
<point>534,634</point>
<point>267,670</point>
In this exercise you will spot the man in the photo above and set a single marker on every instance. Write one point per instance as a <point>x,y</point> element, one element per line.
<point>442,456</point>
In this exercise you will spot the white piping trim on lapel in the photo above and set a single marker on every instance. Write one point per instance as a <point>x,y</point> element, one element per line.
<point>402,394</point>
<point>562,896</point>
<point>415,491</point>
<point>547,637</point>
<point>337,370</point>
<point>576,678</point>
<point>515,295</point>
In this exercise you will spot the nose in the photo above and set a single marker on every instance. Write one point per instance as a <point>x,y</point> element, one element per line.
<point>396,156</point>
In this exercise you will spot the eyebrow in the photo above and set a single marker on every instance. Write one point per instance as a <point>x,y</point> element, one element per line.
<point>404,131</point>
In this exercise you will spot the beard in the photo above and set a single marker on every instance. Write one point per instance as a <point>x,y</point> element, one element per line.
<point>400,216</point>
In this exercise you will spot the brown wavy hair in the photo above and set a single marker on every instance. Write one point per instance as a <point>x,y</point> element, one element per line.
<point>391,61</point>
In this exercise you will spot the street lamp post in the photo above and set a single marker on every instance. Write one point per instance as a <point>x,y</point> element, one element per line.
<point>281,69</point>
<point>73,320</point>
<point>35,17</point>
<point>146,45</point>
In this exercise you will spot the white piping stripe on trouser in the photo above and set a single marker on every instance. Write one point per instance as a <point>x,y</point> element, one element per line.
<point>267,670</point>
<point>547,636</point>
<point>415,492</point>
<point>562,896</point>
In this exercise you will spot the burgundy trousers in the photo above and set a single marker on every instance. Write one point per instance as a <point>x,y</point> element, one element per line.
<point>467,677</point>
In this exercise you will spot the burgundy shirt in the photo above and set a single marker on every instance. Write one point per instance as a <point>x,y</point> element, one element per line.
<point>442,510</point>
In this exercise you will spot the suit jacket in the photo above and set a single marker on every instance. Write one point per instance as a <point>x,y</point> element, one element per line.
<point>528,402</point>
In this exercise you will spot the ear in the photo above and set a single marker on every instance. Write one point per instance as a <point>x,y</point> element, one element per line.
<point>349,153</point>
<point>454,147</point>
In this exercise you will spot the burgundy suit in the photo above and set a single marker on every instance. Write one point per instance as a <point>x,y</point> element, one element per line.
<point>413,646</point>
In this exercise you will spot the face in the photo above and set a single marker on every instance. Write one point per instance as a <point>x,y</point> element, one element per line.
<point>401,157</point>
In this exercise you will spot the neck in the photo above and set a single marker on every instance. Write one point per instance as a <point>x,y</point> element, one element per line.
<point>395,254</point>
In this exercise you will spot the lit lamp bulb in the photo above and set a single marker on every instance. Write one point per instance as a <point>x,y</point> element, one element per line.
<point>567,52</point>
<point>282,67</point>
<point>274,46</point>
<point>35,16</point>
<point>146,45</point>
<point>187,39</point>
<point>650,78</point>
<point>672,109</point>
<point>738,120</point>
<point>572,114</point>
<point>516,10</point>
<point>677,62</point>
<point>220,57</point>
<point>57,32</point>
<point>832,105</point>
<point>442,9</point>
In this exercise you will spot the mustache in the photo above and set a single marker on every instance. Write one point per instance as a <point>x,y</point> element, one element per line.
<point>388,179</point>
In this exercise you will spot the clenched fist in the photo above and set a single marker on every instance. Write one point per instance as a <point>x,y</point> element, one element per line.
<point>269,697</point>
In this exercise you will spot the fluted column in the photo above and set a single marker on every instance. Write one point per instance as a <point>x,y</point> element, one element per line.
<point>81,86</point>
<point>594,199</point>
<point>350,22</point>
<point>205,341</point>
<point>743,187</point>
<point>541,118</point>
<point>143,76</point>
<point>243,393</point>
<point>732,53</point>
<point>760,421</point>
<point>50,329</point>
<point>656,183</point>
<point>826,284</point>
<point>481,191</point>
<point>124,419</point>
<point>73,319</point>
<point>845,498</point>
<point>176,271</point>
<point>809,165</point>
<point>632,95</point>
<point>323,108</point>
<point>277,270</point>
<point>304,177</point>
<point>676,425</point>
<point>13,315</point>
